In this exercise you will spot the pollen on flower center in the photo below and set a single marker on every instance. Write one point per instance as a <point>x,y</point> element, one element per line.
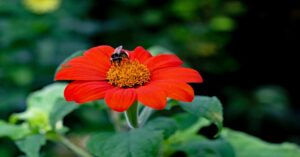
<point>128,74</point>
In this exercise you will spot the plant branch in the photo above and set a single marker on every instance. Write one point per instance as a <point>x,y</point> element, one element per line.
<point>115,119</point>
<point>77,150</point>
<point>145,114</point>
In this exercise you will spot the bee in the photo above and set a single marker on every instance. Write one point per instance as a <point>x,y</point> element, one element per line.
<point>118,55</point>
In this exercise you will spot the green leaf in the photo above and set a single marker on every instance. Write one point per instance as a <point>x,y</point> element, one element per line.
<point>185,120</point>
<point>31,145</point>
<point>208,148</point>
<point>73,55</point>
<point>45,98</point>
<point>184,135</point>
<point>250,146</point>
<point>40,104</point>
<point>60,109</point>
<point>98,139</point>
<point>188,134</point>
<point>135,143</point>
<point>13,131</point>
<point>167,125</point>
<point>207,107</point>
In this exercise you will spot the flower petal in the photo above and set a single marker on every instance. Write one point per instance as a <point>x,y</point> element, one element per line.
<point>177,74</point>
<point>120,99</point>
<point>152,96</point>
<point>177,90</point>
<point>93,65</point>
<point>163,61</point>
<point>140,54</point>
<point>85,91</point>
<point>100,52</point>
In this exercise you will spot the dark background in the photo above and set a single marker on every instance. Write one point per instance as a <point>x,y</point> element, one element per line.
<point>266,44</point>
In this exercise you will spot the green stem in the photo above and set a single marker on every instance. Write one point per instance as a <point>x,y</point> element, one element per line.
<point>132,116</point>
<point>77,150</point>
<point>145,114</point>
<point>115,118</point>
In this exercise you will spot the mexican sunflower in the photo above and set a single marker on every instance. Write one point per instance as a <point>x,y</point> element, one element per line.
<point>137,77</point>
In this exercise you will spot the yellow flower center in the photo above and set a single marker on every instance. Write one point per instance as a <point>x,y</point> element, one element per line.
<point>128,74</point>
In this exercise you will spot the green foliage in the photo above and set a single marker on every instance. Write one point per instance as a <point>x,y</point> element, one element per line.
<point>222,24</point>
<point>31,145</point>
<point>42,120</point>
<point>13,131</point>
<point>207,107</point>
<point>45,98</point>
<point>185,120</point>
<point>46,109</point>
<point>33,44</point>
<point>193,144</point>
<point>60,109</point>
<point>191,133</point>
<point>249,146</point>
<point>208,148</point>
<point>135,143</point>
<point>160,136</point>
<point>167,125</point>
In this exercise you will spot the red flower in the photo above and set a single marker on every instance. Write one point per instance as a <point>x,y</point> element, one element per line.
<point>140,77</point>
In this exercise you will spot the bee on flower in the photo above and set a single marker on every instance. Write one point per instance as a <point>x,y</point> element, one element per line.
<point>122,77</point>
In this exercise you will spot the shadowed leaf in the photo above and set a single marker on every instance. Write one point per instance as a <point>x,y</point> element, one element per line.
<point>207,107</point>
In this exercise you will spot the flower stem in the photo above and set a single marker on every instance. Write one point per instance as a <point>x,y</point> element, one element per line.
<point>77,150</point>
<point>145,114</point>
<point>132,116</point>
<point>115,118</point>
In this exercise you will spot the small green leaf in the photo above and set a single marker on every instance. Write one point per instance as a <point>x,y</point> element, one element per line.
<point>60,109</point>
<point>31,145</point>
<point>13,131</point>
<point>73,55</point>
<point>207,107</point>
<point>135,143</point>
<point>167,125</point>
<point>250,146</point>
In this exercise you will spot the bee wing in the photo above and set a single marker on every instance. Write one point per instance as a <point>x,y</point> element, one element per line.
<point>118,50</point>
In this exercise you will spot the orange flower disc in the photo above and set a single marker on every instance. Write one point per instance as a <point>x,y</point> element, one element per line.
<point>128,74</point>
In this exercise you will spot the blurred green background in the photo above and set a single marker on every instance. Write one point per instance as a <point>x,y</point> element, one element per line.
<point>245,51</point>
